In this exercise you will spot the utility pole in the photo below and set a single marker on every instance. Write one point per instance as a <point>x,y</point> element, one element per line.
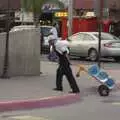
<point>6,57</point>
<point>70,17</point>
<point>100,18</point>
<point>22,12</point>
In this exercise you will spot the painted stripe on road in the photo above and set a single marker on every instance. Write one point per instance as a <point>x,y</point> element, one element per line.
<point>116,103</point>
<point>28,118</point>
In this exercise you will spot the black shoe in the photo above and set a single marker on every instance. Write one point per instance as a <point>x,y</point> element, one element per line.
<point>56,89</point>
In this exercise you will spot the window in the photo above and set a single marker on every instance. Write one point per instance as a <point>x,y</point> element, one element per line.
<point>78,37</point>
<point>106,36</point>
<point>88,37</point>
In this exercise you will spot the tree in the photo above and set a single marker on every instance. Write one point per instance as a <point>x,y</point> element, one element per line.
<point>36,5</point>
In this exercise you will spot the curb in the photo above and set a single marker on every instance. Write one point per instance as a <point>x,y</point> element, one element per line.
<point>46,102</point>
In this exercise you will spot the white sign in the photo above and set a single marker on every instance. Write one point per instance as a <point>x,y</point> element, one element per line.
<point>23,16</point>
<point>50,6</point>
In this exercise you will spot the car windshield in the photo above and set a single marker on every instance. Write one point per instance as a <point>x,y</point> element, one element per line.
<point>45,31</point>
<point>106,36</point>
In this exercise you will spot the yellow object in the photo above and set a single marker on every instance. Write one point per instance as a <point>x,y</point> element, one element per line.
<point>61,14</point>
<point>81,69</point>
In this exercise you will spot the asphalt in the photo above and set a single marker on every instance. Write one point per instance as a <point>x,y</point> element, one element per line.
<point>21,93</point>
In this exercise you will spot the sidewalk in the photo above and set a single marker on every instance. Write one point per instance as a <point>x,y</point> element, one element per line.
<point>36,92</point>
<point>33,92</point>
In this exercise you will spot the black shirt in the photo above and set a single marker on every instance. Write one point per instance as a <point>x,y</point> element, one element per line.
<point>63,60</point>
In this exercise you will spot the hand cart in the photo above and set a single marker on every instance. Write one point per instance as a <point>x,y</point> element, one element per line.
<point>107,83</point>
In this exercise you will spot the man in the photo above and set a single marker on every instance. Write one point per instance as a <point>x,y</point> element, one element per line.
<point>52,38</point>
<point>62,51</point>
<point>54,32</point>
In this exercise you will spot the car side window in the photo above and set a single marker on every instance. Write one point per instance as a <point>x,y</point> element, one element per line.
<point>77,37</point>
<point>88,37</point>
<point>80,36</point>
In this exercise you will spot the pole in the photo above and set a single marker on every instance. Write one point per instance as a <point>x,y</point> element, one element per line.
<point>70,17</point>
<point>6,57</point>
<point>22,12</point>
<point>100,30</point>
<point>35,14</point>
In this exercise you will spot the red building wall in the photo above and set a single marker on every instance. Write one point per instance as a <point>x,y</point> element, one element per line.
<point>83,25</point>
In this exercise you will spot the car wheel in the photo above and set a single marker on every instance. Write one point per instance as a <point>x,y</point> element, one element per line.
<point>93,55</point>
<point>117,59</point>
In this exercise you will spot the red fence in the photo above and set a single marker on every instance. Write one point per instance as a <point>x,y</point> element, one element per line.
<point>83,25</point>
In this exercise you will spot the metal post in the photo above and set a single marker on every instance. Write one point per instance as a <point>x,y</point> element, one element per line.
<point>100,30</point>
<point>22,12</point>
<point>6,57</point>
<point>35,14</point>
<point>70,17</point>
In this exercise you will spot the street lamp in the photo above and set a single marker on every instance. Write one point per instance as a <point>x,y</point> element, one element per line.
<point>100,30</point>
<point>6,57</point>
<point>70,17</point>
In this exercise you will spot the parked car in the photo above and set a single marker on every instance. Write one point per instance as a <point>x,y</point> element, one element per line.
<point>85,44</point>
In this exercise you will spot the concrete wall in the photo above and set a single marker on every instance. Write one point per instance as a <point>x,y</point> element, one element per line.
<point>2,51</point>
<point>24,53</point>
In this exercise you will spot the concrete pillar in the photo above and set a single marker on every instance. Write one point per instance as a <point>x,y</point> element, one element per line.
<point>24,53</point>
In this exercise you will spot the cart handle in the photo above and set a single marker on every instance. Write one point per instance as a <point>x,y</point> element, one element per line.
<point>81,68</point>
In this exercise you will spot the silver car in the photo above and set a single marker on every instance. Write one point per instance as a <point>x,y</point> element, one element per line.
<point>85,44</point>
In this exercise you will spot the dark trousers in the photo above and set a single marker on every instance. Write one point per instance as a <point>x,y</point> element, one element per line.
<point>66,70</point>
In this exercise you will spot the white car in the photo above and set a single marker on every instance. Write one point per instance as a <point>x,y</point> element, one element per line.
<point>85,44</point>
<point>45,30</point>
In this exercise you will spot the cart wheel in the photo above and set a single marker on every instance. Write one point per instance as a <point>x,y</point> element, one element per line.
<point>103,90</point>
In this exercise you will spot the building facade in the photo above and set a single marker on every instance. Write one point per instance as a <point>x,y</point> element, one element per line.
<point>12,4</point>
<point>111,11</point>
<point>113,7</point>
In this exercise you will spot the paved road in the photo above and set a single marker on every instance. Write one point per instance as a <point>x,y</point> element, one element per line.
<point>105,63</point>
<point>90,107</point>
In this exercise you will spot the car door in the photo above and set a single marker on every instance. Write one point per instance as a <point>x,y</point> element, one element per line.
<point>75,44</point>
<point>87,43</point>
